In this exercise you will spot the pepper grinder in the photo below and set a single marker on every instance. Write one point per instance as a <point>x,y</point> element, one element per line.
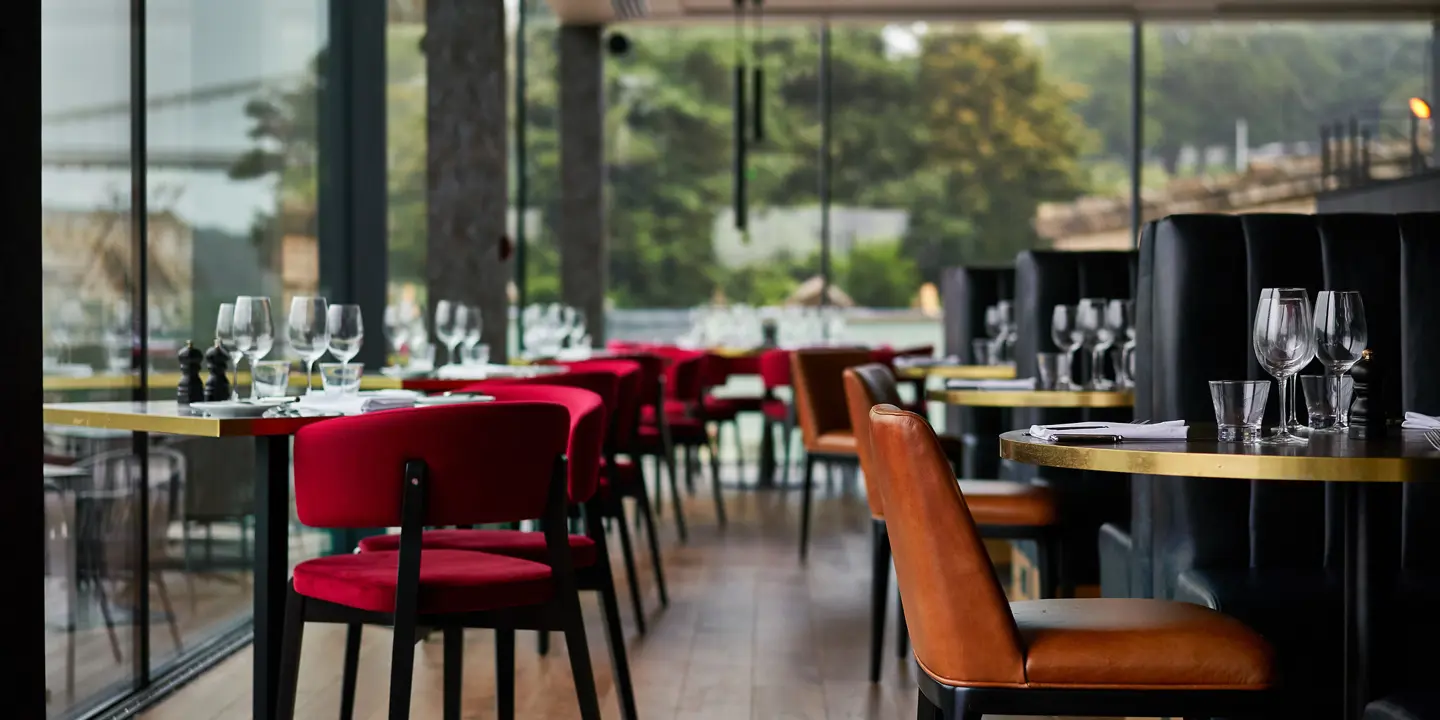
<point>1367,409</point>
<point>217,387</point>
<point>191,389</point>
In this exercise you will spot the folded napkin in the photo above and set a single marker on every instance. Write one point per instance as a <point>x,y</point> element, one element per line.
<point>1168,430</point>
<point>355,404</point>
<point>475,372</point>
<point>1416,421</point>
<point>922,361</point>
<point>1017,384</point>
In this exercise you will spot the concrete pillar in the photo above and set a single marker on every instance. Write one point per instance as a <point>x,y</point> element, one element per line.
<point>584,252</point>
<point>467,130</point>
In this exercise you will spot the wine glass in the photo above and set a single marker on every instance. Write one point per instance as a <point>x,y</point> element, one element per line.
<point>309,332</point>
<point>1098,337</point>
<point>995,328</point>
<point>1284,341</point>
<point>1118,321</point>
<point>1340,336</point>
<point>225,335</point>
<point>347,331</point>
<point>254,335</point>
<point>1068,337</point>
<point>474,327</point>
<point>450,318</point>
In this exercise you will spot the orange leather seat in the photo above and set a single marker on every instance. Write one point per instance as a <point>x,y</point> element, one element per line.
<point>1121,642</point>
<point>837,441</point>
<point>1098,657</point>
<point>1002,502</point>
<point>817,378</point>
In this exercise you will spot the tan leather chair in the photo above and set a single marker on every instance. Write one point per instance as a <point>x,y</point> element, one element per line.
<point>824,420</point>
<point>1001,509</point>
<point>1093,657</point>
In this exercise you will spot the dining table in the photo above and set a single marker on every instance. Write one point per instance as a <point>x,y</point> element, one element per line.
<point>1354,466</point>
<point>272,503</point>
<point>975,397</point>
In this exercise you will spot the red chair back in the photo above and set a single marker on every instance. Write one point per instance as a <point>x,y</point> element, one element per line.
<point>587,427</point>
<point>486,463</point>
<point>775,369</point>
<point>685,378</point>
<point>884,355</point>
<point>630,395</point>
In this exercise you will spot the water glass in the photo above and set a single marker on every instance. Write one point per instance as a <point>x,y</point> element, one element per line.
<point>475,355</point>
<point>1340,337</point>
<point>254,335</point>
<point>980,351</point>
<point>341,378</point>
<point>1099,336</point>
<point>1284,343</point>
<point>1325,405</point>
<point>1052,369</point>
<point>347,331</point>
<point>1068,336</point>
<point>1239,408</point>
<point>271,378</point>
<point>309,332</point>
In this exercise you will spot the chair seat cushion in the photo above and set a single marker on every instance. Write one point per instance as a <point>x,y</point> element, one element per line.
<point>626,480</point>
<point>1003,502</point>
<point>838,442</point>
<point>729,407</point>
<point>451,581</point>
<point>689,432</point>
<point>1139,644</point>
<point>775,409</point>
<point>675,411</point>
<point>510,543</point>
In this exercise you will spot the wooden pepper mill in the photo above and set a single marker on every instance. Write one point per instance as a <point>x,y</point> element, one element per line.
<point>191,389</point>
<point>1367,408</point>
<point>217,387</point>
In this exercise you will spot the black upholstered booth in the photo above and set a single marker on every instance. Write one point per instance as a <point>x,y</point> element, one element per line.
<point>1044,279</point>
<point>965,293</point>
<point>1268,552</point>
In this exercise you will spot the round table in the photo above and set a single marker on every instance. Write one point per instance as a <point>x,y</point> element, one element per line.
<point>1035,398</point>
<point>1355,465</point>
<point>956,372</point>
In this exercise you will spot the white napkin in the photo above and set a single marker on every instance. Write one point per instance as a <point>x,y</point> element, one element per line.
<point>474,372</point>
<point>1416,421</point>
<point>924,361</point>
<point>1168,430</point>
<point>1017,384</point>
<point>355,404</point>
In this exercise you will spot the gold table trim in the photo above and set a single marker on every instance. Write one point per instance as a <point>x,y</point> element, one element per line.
<point>957,372</point>
<point>1403,459</point>
<point>166,417</point>
<point>1034,398</point>
<point>158,381</point>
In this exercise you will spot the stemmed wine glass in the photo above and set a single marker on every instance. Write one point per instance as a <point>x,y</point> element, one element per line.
<point>1118,321</point>
<point>225,336</point>
<point>254,335</point>
<point>1068,337</point>
<point>1284,342</point>
<point>1099,336</point>
<point>347,331</point>
<point>309,332</point>
<point>1340,336</point>
<point>450,318</point>
<point>472,329</point>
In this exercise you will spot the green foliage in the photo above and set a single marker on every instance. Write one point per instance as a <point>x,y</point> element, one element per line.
<point>878,275</point>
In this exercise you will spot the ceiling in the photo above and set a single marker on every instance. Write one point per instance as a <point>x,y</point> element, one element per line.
<point>608,11</point>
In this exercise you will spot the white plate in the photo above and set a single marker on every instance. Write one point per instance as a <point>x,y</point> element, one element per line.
<point>232,409</point>
<point>454,399</point>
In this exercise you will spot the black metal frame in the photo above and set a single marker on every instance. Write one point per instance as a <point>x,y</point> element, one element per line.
<point>561,612</point>
<point>849,460</point>
<point>938,701</point>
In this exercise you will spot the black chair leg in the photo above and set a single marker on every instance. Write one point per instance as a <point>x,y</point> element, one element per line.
<point>714,447</point>
<point>615,636</point>
<point>291,640</point>
<point>675,503</point>
<point>402,664</point>
<point>787,434</point>
<point>879,592</point>
<point>454,670</point>
<point>805,507</point>
<point>542,643</point>
<point>628,553</point>
<point>579,651</point>
<point>1045,559</point>
<point>351,670</point>
<point>643,501</point>
<point>926,710</point>
<point>505,673</point>
<point>739,451</point>
<point>690,464</point>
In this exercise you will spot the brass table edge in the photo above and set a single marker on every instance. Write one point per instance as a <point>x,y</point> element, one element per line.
<point>957,372</point>
<point>1034,398</point>
<point>1218,465</point>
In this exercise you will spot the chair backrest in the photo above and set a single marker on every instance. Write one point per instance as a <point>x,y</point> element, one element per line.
<point>960,622</point>
<point>884,355</point>
<point>630,389</point>
<point>486,463</point>
<point>965,293</point>
<point>820,389</point>
<point>589,419</point>
<point>775,369</point>
<point>865,387</point>
<point>685,377</point>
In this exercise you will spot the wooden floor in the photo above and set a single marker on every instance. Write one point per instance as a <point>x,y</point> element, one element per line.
<point>750,633</point>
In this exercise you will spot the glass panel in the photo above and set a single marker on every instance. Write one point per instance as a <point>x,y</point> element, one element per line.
<point>233,138</point>
<point>1236,114</point>
<point>406,99</point>
<point>542,161</point>
<point>90,531</point>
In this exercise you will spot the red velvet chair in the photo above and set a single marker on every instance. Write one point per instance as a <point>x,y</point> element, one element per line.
<point>684,422</point>
<point>728,409</point>
<point>653,405</point>
<point>454,465</point>
<point>774,368</point>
